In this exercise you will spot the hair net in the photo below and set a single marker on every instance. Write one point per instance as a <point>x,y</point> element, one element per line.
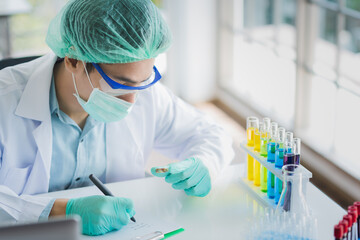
<point>109,31</point>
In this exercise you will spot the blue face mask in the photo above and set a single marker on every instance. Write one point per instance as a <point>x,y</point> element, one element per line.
<point>103,107</point>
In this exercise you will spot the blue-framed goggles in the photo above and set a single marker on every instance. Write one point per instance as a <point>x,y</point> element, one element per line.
<point>115,85</point>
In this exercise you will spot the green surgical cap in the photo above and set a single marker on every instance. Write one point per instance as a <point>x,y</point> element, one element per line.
<point>109,31</point>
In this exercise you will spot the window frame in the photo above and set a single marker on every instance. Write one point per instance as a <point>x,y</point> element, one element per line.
<point>330,174</point>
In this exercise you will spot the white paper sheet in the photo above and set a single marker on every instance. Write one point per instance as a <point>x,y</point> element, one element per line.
<point>142,227</point>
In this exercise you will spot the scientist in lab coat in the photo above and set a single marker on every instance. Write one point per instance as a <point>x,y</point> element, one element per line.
<point>95,105</point>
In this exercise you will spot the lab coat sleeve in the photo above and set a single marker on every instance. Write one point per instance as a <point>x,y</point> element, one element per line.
<point>14,208</point>
<point>182,132</point>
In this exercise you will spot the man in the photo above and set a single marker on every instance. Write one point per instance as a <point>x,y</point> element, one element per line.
<point>96,106</point>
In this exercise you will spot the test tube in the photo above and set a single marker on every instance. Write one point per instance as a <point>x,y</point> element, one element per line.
<point>345,224</point>
<point>267,122</point>
<point>289,153</point>
<point>338,232</point>
<point>251,124</point>
<point>263,179</point>
<point>264,135</point>
<point>357,205</point>
<point>354,213</point>
<point>271,148</point>
<point>263,170</point>
<point>257,137</point>
<point>289,138</point>
<point>257,165</point>
<point>297,148</point>
<point>279,153</point>
<point>279,161</point>
<point>350,223</point>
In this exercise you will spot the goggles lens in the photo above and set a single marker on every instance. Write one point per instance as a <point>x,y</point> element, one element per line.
<point>112,87</point>
<point>105,87</point>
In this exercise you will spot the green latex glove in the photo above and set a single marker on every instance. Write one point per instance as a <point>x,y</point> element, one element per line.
<point>190,175</point>
<point>101,214</point>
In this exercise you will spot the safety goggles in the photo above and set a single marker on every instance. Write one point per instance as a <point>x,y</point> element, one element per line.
<point>116,89</point>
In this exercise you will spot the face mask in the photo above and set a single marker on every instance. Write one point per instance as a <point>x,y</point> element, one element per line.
<point>103,107</point>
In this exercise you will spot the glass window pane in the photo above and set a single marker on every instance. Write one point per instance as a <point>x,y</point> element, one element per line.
<point>258,13</point>
<point>286,31</point>
<point>264,80</point>
<point>353,4</point>
<point>350,84</point>
<point>28,31</point>
<point>288,12</point>
<point>320,128</point>
<point>258,19</point>
<point>287,25</point>
<point>350,37</point>
<point>325,47</point>
<point>350,54</point>
<point>347,132</point>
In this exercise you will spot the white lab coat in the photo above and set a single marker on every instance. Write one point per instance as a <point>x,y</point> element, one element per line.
<point>159,120</point>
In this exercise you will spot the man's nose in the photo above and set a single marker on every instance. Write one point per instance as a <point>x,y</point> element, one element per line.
<point>130,97</point>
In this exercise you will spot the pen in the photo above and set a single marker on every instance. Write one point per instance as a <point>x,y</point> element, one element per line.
<point>103,189</point>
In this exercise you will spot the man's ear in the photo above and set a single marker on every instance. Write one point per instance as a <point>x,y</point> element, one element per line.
<point>73,66</point>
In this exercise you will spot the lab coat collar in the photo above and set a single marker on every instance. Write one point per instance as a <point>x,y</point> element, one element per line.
<point>34,102</point>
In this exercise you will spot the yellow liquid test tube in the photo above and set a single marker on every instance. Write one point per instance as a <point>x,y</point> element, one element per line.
<point>257,149</point>
<point>252,123</point>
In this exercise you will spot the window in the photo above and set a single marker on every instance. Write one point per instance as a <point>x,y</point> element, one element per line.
<point>297,62</point>
<point>28,31</point>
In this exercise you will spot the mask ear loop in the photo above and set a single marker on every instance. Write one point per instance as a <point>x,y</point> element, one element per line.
<point>87,74</point>
<point>73,77</point>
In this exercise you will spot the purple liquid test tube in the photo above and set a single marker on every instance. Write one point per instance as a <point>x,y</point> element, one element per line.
<point>297,147</point>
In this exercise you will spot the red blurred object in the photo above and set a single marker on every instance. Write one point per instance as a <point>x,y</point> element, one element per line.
<point>354,208</point>
<point>345,223</point>
<point>349,218</point>
<point>354,215</point>
<point>338,231</point>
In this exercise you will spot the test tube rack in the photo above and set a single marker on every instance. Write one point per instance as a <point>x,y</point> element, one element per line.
<point>262,196</point>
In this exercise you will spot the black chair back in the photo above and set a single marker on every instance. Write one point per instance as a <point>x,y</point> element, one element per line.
<point>14,61</point>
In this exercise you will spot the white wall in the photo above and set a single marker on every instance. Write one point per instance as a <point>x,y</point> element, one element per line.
<point>192,58</point>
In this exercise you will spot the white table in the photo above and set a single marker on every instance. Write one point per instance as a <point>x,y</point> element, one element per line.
<point>223,214</point>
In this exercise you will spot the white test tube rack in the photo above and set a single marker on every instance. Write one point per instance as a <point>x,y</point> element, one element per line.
<point>262,196</point>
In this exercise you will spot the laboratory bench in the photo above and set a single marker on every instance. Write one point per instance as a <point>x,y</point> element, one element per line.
<point>226,213</point>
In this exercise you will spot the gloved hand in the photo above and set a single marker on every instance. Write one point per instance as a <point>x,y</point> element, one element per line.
<point>101,214</point>
<point>191,175</point>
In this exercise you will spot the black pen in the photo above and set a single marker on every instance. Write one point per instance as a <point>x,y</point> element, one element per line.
<point>103,188</point>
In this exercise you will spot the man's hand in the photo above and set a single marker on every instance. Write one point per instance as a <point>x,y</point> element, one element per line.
<point>190,175</point>
<point>99,214</point>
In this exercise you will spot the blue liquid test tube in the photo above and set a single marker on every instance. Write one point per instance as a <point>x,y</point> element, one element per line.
<point>279,162</point>
<point>270,175</point>
<point>279,157</point>
<point>271,148</point>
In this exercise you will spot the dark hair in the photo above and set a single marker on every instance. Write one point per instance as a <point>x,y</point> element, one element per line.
<point>89,67</point>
